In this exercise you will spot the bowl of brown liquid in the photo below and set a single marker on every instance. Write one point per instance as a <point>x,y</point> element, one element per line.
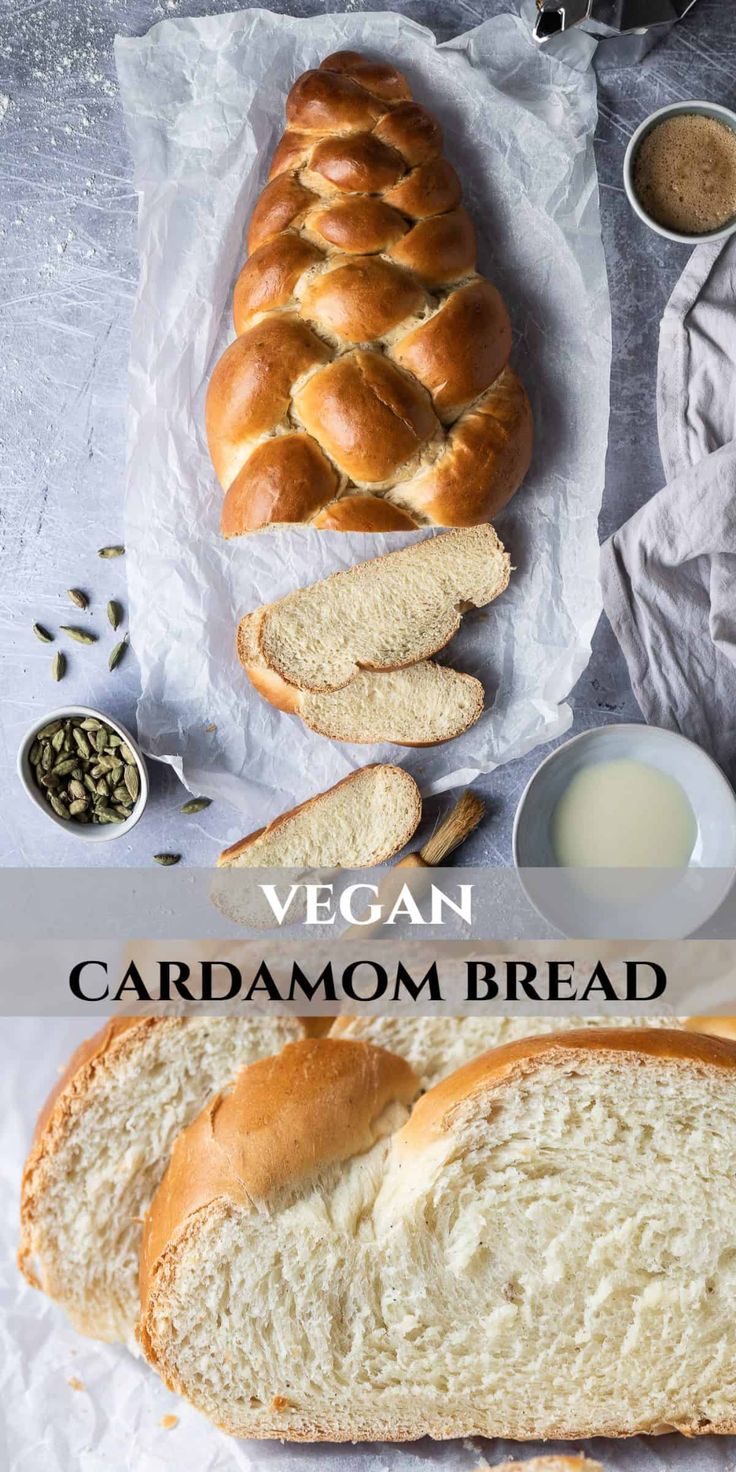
<point>680,172</point>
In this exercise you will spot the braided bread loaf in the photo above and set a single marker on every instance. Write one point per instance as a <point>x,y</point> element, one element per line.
<point>368,388</point>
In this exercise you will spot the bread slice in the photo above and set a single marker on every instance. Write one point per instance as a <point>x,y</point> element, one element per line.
<point>545,1248</point>
<point>363,820</point>
<point>418,706</point>
<point>549,1464</point>
<point>436,1046</point>
<point>379,615</point>
<point>102,1144</point>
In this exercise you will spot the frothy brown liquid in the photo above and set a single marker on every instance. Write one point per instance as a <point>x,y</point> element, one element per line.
<point>685,174</point>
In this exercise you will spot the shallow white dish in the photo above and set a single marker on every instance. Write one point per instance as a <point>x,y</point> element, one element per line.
<point>92,833</point>
<point>674,109</point>
<point>606,902</point>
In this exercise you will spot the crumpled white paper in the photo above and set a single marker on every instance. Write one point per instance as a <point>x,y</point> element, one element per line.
<point>109,1418</point>
<point>204,101</point>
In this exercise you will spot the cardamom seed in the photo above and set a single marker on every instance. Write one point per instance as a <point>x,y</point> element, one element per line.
<point>117,653</point>
<point>58,807</point>
<point>79,805</point>
<point>195,805</point>
<point>167,859</point>
<point>117,551</point>
<point>43,634</point>
<point>81,636</point>
<point>132,781</point>
<point>58,666</point>
<point>77,597</point>
<point>114,614</point>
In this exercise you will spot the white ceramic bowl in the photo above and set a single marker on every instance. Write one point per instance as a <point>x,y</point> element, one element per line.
<point>91,832</point>
<point>612,903</point>
<point>675,109</point>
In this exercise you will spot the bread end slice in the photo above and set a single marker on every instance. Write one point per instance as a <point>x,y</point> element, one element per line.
<point>363,820</point>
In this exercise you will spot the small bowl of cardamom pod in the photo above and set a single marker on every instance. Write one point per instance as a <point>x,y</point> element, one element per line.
<point>85,771</point>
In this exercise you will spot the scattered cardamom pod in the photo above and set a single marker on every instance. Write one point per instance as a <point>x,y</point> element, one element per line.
<point>111,551</point>
<point>58,666</point>
<point>77,597</point>
<point>43,634</point>
<point>195,805</point>
<point>114,613</point>
<point>167,859</point>
<point>82,636</point>
<point>117,653</point>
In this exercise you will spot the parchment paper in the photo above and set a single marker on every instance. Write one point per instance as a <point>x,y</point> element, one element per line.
<point>109,1419</point>
<point>204,101</point>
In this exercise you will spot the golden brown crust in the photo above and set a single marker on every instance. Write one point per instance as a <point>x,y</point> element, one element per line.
<point>486,456</point>
<point>717,1027</point>
<point>367,414</point>
<point>284,479</point>
<point>229,855</point>
<point>286,1118</point>
<point>269,276</point>
<point>432,1116</point>
<point>361,234</point>
<point>363,514</point>
<point>250,390</point>
<point>460,351</point>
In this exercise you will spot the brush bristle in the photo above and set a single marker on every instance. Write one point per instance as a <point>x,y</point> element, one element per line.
<point>456,827</point>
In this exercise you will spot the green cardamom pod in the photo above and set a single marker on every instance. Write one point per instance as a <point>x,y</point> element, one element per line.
<point>81,636</point>
<point>83,746</point>
<point>43,634</point>
<point>90,724</point>
<point>167,859</point>
<point>77,597</point>
<point>117,653</point>
<point>117,551</point>
<point>66,765</point>
<point>114,613</point>
<point>49,730</point>
<point>127,754</point>
<point>58,807</point>
<point>79,805</point>
<point>58,666</point>
<point>132,781</point>
<point>57,741</point>
<point>195,805</point>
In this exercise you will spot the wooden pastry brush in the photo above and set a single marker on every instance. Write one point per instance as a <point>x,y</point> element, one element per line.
<point>461,821</point>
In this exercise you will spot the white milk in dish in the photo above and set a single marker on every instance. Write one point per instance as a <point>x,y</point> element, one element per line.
<point>623,814</point>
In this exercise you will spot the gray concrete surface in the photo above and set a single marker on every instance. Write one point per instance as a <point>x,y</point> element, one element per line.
<point>67,281</point>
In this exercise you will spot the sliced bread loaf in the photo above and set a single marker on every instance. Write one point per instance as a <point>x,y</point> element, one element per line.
<point>418,706</point>
<point>102,1144</point>
<point>379,615</point>
<point>436,1046</point>
<point>546,1248</point>
<point>363,820</point>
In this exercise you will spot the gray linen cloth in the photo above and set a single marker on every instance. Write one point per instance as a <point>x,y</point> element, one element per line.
<point>669,574</point>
